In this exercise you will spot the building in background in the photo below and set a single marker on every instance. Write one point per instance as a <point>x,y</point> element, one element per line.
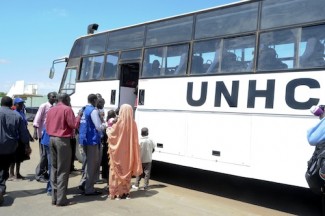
<point>28,93</point>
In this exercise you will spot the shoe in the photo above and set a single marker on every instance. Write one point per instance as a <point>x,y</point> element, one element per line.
<point>82,188</point>
<point>53,203</point>
<point>93,193</point>
<point>1,198</point>
<point>20,177</point>
<point>100,181</point>
<point>127,196</point>
<point>49,193</point>
<point>66,204</point>
<point>145,188</point>
<point>42,180</point>
<point>135,187</point>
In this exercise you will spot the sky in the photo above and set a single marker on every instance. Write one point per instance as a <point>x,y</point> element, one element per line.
<point>34,32</point>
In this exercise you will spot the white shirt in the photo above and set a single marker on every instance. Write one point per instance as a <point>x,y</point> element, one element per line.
<point>147,146</point>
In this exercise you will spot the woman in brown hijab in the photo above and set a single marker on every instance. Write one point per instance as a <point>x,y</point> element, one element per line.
<point>125,160</point>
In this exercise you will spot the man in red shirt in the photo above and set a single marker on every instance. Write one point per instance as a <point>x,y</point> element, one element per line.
<point>60,123</point>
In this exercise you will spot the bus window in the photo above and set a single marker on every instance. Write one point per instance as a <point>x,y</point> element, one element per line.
<point>238,54</point>
<point>126,38</point>
<point>205,58</point>
<point>174,30</point>
<point>76,49</point>
<point>91,68</point>
<point>176,60</point>
<point>277,50</point>
<point>277,13</point>
<point>69,81</point>
<point>152,62</point>
<point>227,21</point>
<point>94,44</point>
<point>110,71</point>
<point>311,52</point>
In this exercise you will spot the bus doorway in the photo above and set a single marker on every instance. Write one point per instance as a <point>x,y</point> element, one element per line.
<point>129,83</point>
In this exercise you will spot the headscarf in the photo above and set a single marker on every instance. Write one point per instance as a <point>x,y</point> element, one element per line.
<point>124,145</point>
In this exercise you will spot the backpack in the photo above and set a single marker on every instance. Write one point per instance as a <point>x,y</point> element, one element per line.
<point>315,164</point>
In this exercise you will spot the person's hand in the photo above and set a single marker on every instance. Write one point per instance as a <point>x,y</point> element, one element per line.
<point>35,134</point>
<point>81,111</point>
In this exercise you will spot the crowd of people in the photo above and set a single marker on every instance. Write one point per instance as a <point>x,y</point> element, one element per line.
<point>109,146</point>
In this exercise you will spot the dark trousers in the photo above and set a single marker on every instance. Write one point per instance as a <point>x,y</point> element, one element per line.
<point>48,156</point>
<point>60,157</point>
<point>104,162</point>
<point>73,143</point>
<point>41,169</point>
<point>146,174</point>
<point>5,161</point>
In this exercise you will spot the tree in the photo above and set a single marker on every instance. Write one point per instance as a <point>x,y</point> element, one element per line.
<point>2,94</point>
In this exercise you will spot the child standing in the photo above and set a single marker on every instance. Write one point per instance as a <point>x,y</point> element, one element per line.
<point>147,147</point>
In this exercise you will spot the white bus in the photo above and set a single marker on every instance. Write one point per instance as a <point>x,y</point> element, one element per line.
<point>227,89</point>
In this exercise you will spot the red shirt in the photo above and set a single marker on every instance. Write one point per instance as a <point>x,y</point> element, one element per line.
<point>60,121</point>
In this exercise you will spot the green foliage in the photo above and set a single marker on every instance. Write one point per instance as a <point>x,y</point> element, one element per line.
<point>2,94</point>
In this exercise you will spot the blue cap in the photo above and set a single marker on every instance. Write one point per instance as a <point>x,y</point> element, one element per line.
<point>18,100</point>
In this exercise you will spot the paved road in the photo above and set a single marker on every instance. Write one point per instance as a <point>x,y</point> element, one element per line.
<point>174,191</point>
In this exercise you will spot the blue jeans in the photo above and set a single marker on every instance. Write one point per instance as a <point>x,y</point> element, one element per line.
<point>48,156</point>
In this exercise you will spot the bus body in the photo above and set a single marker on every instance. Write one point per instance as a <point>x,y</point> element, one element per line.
<point>227,89</point>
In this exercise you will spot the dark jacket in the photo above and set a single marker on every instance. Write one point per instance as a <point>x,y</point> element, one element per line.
<point>12,128</point>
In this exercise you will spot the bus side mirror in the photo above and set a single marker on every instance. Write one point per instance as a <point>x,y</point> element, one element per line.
<point>52,71</point>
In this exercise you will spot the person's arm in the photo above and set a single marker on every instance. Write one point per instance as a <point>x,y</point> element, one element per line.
<point>37,121</point>
<point>72,121</point>
<point>24,135</point>
<point>96,120</point>
<point>316,134</point>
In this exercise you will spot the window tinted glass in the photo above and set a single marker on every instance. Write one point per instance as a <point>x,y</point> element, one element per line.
<point>126,38</point>
<point>287,12</point>
<point>91,68</point>
<point>205,57</point>
<point>152,62</point>
<point>165,61</point>
<point>94,44</point>
<point>170,31</point>
<point>110,71</point>
<point>277,50</point>
<point>176,60</point>
<point>311,47</point>
<point>227,21</point>
<point>68,84</point>
<point>134,54</point>
<point>76,49</point>
<point>238,54</point>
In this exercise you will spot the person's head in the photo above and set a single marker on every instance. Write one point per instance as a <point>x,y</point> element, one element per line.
<point>111,114</point>
<point>155,64</point>
<point>19,103</point>
<point>100,103</point>
<point>64,98</point>
<point>6,101</point>
<point>126,113</point>
<point>99,95</point>
<point>52,97</point>
<point>144,131</point>
<point>92,99</point>
<point>318,111</point>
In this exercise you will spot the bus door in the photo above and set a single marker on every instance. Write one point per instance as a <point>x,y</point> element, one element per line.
<point>129,77</point>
